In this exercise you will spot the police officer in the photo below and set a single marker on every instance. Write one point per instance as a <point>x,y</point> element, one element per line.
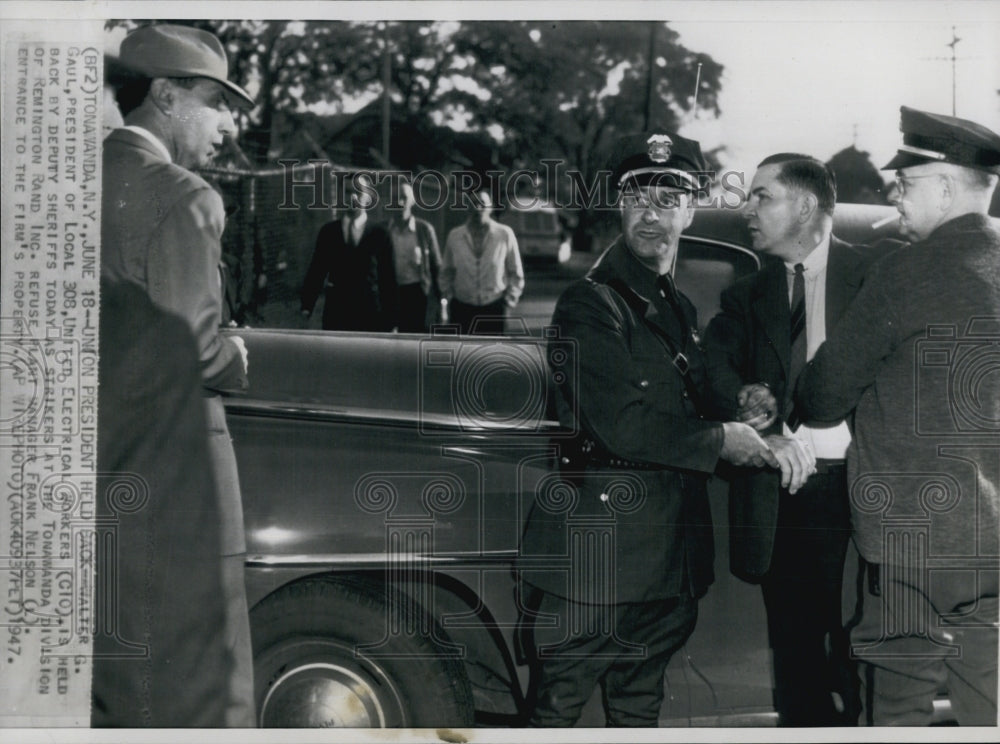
<point>615,560</point>
<point>916,353</point>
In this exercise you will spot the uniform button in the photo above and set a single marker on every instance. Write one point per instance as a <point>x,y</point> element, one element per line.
<point>685,395</point>
<point>604,497</point>
<point>644,384</point>
<point>564,460</point>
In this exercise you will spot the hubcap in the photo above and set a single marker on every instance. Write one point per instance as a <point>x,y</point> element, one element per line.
<point>319,687</point>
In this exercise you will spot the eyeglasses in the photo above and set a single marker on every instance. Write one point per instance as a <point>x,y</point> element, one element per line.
<point>901,182</point>
<point>669,200</point>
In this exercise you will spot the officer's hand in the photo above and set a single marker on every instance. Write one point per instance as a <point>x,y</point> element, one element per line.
<point>796,460</point>
<point>243,351</point>
<point>742,445</point>
<point>757,406</point>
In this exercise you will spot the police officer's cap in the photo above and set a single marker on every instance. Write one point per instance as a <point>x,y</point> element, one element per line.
<point>936,138</point>
<point>659,157</point>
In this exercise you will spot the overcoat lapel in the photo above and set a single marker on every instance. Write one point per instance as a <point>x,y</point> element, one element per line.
<point>770,307</point>
<point>843,280</point>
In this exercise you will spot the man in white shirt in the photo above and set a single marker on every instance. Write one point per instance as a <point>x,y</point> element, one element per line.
<point>769,325</point>
<point>481,273</point>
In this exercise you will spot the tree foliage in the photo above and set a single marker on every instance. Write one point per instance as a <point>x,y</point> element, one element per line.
<point>546,89</point>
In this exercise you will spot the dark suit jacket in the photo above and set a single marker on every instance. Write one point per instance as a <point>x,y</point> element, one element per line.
<point>747,342</point>
<point>354,277</point>
<point>632,401</point>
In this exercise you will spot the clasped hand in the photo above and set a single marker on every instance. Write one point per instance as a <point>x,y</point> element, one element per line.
<point>742,445</point>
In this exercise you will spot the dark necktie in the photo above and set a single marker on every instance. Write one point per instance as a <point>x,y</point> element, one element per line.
<point>797,359</point>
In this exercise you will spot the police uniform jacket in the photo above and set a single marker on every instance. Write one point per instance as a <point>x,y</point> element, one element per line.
<point>652,452</point>
<point>916,352</point>
<point>748,342</point>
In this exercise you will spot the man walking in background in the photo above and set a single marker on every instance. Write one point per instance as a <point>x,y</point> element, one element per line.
<point>161,230</point>
<point>350,263</point>
<point>415,304</point>
<point>793,545</point>
<point>481,273</point>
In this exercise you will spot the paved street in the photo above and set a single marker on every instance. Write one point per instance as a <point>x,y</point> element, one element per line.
<point>543,283</point>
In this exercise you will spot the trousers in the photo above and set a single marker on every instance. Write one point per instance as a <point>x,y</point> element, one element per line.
<point>802,595</point>
<point>914,642</point>
<point>480,320</point>
<point>624,648</point>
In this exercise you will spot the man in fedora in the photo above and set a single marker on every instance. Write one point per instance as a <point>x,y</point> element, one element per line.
<point>916,353</point>
<point>617,565</point>
<point>161,230</point>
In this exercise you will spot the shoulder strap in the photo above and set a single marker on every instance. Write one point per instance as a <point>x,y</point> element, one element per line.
<point>676,355</point>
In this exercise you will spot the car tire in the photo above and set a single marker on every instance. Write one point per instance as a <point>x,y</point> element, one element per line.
<point>308,672</point>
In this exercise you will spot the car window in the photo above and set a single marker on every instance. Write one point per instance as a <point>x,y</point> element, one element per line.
<point>705,268</point>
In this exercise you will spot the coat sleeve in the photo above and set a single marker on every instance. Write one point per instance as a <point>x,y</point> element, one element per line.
<point>383,280</point>
<point>514,270</point>
<point>846,364</point>
<point>318,269</point>
<point>447,276</point>
<point>614,405</point>
<point>726,345</point>
<point>434,258</point>
<point>184,278</point>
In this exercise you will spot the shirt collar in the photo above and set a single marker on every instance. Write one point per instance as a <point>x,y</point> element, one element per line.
<point>143,132</point>
<point>816,260</point>
<point>639,277</point>
<point>358,221</point>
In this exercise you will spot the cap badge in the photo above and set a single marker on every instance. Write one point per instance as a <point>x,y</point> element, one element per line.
<point>659,148</point>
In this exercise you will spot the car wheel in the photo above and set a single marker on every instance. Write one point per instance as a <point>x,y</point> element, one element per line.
<point>311,669</point>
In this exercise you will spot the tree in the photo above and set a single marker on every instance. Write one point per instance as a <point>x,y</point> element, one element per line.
<point>567,89</point>
<point>554,89</point>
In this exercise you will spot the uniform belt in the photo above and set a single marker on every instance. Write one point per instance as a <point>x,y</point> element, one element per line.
<point>621,463</point>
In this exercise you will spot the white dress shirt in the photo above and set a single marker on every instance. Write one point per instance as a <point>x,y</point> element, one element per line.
<point>827,443</point>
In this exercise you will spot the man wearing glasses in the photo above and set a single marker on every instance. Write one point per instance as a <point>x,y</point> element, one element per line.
<point>917,354</point>
<point>615,567</point>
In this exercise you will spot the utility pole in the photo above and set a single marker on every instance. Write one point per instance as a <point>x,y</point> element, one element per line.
<point>649,76</point>
<point>953,44</point>
<point>954,67</point>
<point>386,90</point>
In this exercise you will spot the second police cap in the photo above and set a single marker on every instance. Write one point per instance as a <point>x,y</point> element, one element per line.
<point>936,138</point>
<point>660,157</point>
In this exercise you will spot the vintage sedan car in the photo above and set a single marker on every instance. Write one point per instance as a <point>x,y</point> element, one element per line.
<point>386,479</point>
